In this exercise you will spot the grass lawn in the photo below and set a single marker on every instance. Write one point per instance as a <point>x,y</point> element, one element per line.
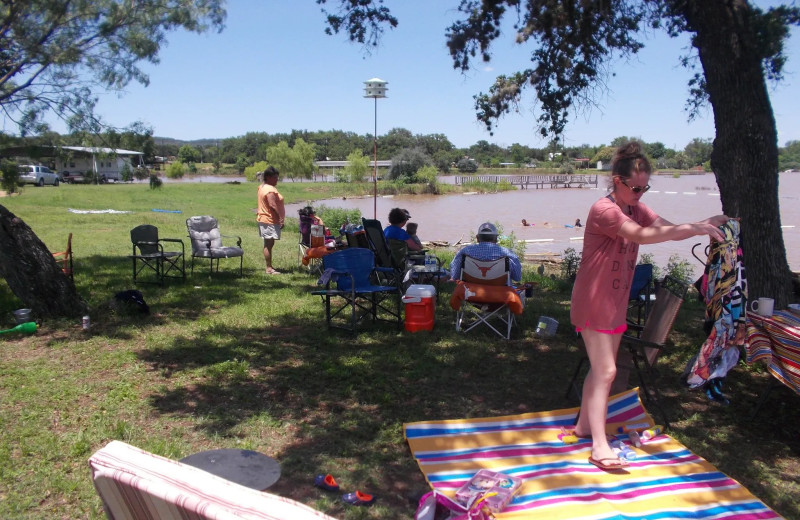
<point>247,362</point>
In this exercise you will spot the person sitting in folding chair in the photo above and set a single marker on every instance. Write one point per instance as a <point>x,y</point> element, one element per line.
<point>485,291</point>
<point>487,248</point>
<point>394,231</point>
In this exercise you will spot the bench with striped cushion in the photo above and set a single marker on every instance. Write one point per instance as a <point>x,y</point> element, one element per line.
<point>138,485</point>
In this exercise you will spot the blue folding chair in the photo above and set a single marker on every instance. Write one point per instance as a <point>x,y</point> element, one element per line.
<point>348,277</point>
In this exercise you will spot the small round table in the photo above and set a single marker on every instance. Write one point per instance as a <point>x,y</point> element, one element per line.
<point>248,468</point>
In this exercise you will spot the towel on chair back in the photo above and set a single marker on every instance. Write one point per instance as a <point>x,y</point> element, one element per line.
<point>498,294</point>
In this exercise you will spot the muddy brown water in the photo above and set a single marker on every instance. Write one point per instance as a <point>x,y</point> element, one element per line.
<point>688,198</point>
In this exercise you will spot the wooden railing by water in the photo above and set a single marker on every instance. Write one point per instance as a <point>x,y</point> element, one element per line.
<point>537,181</point>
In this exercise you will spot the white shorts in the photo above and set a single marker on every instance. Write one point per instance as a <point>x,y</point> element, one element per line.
<point>269,231</point>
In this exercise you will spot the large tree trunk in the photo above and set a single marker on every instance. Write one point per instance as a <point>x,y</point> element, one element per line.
<point>32,273</point>
<point>745,156</point>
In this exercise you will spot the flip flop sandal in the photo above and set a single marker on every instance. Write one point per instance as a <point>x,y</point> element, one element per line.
<point>601,463</point>
<point>358,498</point>
<point>326,482</point>
<point>567,433</point>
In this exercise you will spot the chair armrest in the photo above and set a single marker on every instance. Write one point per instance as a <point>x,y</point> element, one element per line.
<point>238,239</point>
<point>330,275</point>
<point>175,240</point>
<point>384,269</point>
<point>635,327</point>
<point>637,342</point>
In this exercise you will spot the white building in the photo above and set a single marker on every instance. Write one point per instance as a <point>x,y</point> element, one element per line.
<point>105,163</point>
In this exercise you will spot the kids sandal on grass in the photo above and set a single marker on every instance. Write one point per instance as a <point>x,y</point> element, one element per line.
<point>358,499</point>
<point>326,482</point>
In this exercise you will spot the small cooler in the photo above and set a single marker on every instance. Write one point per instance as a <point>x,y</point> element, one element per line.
<point>317,235</point>
<point>420,301</point>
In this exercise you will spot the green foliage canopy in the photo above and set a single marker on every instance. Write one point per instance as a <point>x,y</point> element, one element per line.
<point>406,163</point>
<point>54,54</point>
<point>188,154</point>
<point>357,167</point>
<point>175,170</point>
<point>789,157</point>
<point>297,161</point>
<point>251,171</point>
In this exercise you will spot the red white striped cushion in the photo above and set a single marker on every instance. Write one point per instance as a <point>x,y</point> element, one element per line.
<point>138,485</point>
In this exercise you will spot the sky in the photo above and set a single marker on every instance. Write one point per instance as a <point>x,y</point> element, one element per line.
<point>273,69</point>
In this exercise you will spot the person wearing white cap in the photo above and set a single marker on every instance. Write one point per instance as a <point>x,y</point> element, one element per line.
<point>487,248</point>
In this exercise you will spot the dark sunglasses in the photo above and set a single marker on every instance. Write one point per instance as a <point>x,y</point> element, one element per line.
<point>635,189</point>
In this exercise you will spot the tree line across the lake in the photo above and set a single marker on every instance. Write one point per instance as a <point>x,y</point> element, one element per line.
<point>398,144</point>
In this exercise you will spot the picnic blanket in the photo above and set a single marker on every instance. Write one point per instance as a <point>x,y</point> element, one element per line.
<point>666,480</point>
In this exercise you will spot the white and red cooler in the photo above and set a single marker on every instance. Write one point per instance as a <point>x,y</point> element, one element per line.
<point>420,302</point>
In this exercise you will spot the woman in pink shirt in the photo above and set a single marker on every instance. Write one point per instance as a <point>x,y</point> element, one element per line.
<point>615,227</point>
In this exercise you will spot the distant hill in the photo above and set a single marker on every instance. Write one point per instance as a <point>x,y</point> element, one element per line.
<point>171,141</point>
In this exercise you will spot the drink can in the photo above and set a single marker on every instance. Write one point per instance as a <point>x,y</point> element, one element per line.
<point>86,323</point>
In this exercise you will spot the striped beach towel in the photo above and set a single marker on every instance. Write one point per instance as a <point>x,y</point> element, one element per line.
<point>776,341</point>
<point>665,481</point>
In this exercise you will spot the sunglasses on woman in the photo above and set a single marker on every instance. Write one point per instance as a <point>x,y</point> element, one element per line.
<point>635,189</point>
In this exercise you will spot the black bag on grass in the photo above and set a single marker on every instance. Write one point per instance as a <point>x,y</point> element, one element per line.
<point>131,302</point>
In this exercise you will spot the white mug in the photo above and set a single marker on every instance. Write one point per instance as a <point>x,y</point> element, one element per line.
<point>763,306</point>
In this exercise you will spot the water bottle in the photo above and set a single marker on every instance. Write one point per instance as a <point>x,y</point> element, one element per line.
<point>622,450</point>
<point>430,263</point>
<point>634,437</point>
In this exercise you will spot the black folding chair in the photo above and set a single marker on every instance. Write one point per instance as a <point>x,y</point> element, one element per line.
<point>149,255</point>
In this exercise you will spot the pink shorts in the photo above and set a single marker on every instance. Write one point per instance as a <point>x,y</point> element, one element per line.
<point>619,330</point>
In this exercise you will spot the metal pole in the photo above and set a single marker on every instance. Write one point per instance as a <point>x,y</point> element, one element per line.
<point>375,167</point>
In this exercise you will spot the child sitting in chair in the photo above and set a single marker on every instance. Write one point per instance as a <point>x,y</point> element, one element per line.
<point>411,229</point>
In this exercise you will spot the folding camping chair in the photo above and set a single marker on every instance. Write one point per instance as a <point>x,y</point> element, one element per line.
<point>485,295</point>
<point>383,256</point>
<point>65,259</point>
<point>305,235</point>
<point>348,280</point>
<point>395,255</point>
<point>207,243</point>
<point>314,265</point>
<point>357,239</point>
<point>414,268</point>
<point>149,254</point>
<point>139,485</point>
<point>641,351</point>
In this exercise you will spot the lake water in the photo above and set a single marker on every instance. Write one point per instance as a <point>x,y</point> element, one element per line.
<point>688,198</point>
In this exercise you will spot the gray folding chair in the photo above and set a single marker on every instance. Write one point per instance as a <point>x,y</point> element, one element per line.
<point>207,243</point>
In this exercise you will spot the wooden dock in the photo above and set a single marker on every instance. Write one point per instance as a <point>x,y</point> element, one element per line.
<point>537,181</point>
